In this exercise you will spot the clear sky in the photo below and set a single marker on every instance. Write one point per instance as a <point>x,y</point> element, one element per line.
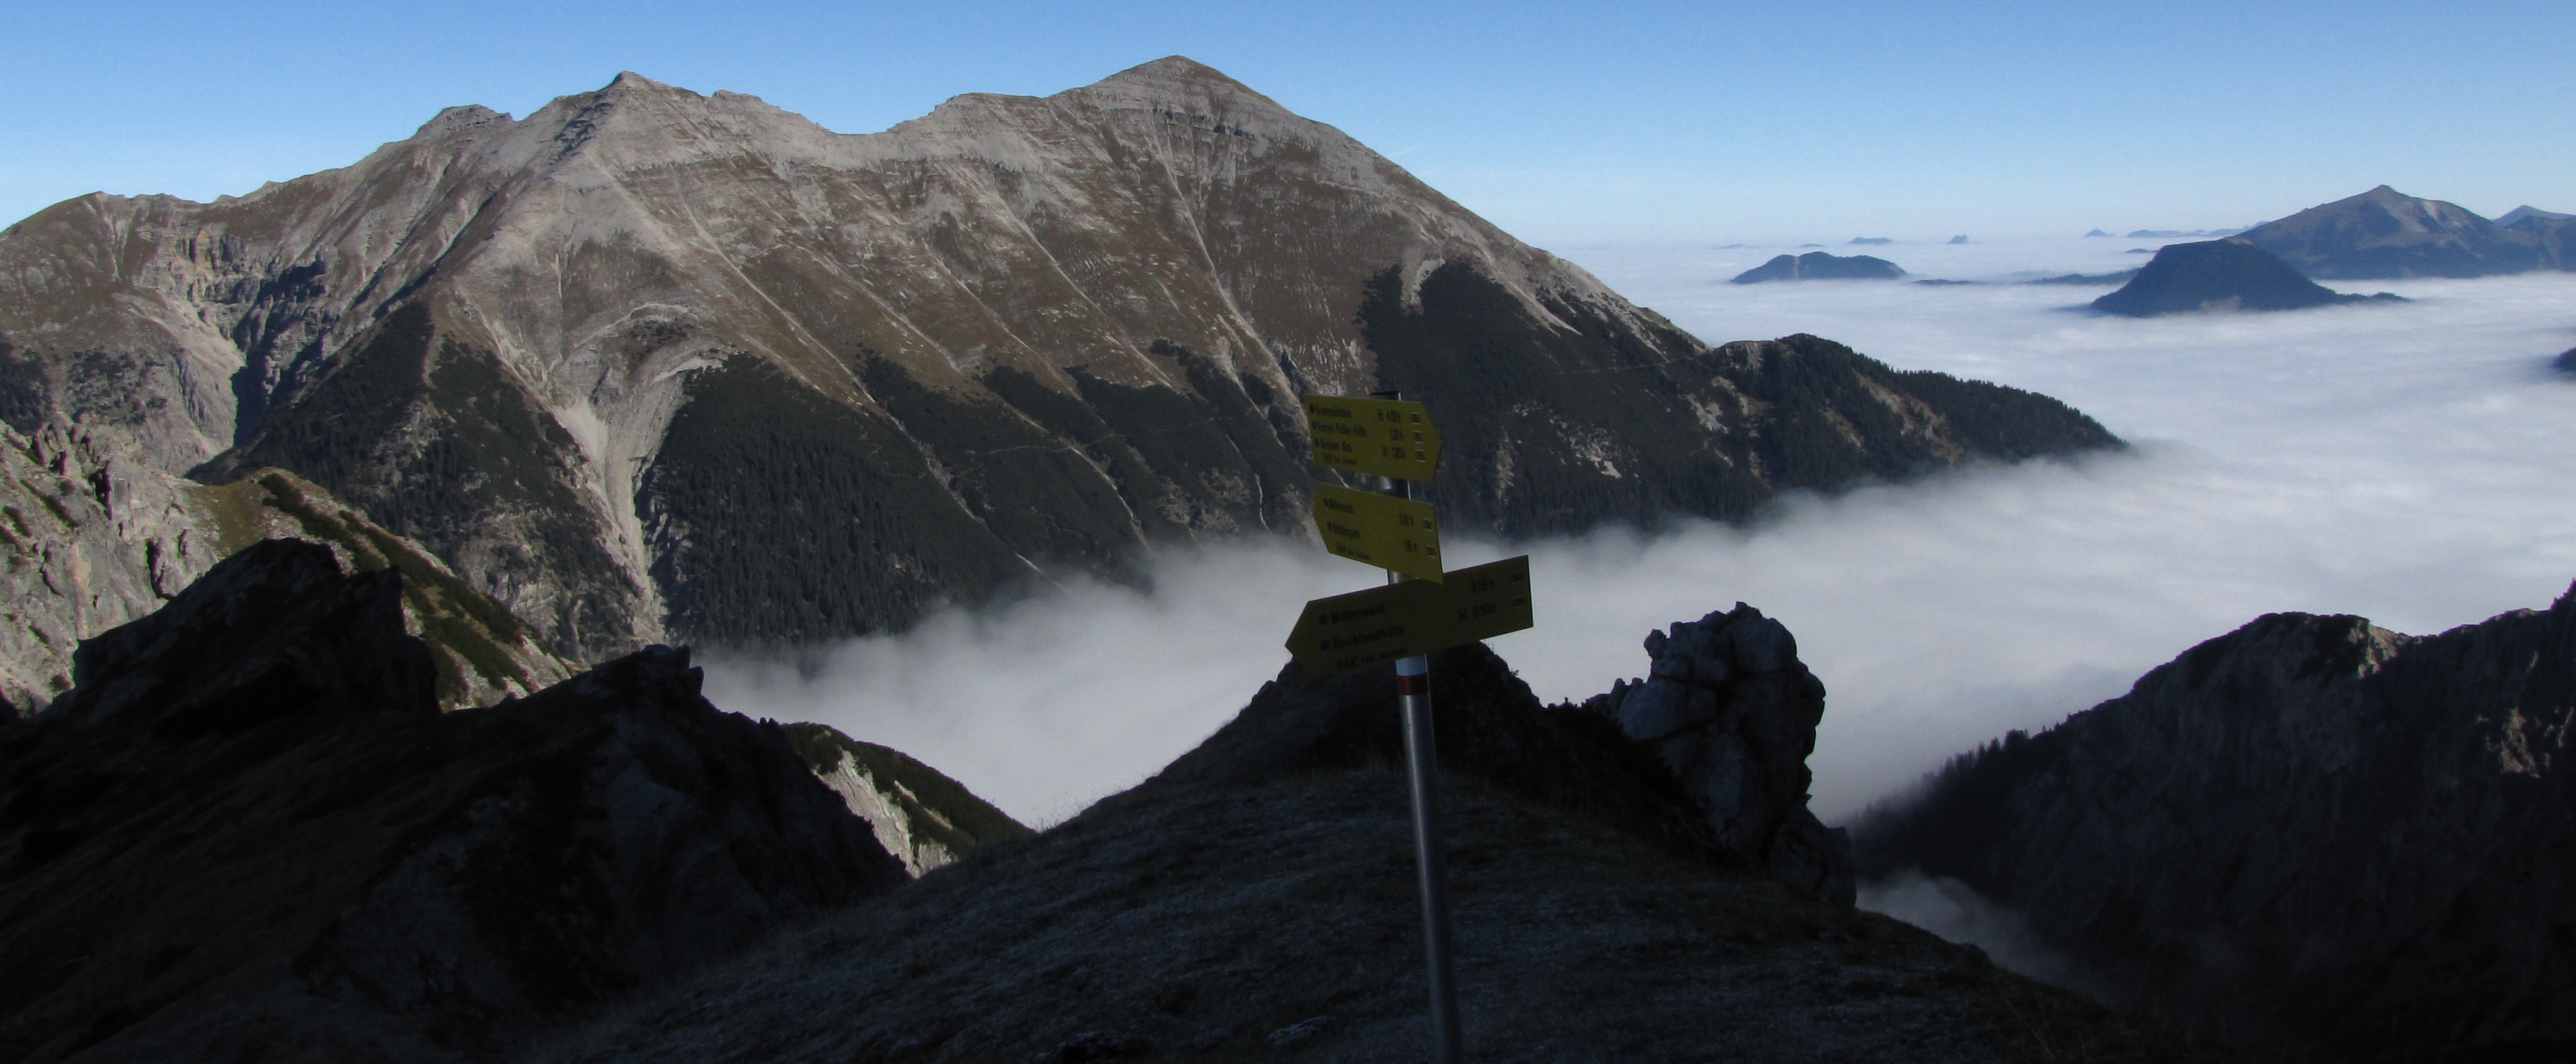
<point>1566,124</point>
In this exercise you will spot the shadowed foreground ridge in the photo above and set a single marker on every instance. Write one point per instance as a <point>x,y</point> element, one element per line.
<point>2320,834</point>
<point>1258,897</point>
<point>248,833</point>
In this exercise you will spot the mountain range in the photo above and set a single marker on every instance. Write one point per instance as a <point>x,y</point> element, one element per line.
<point>649,364</point>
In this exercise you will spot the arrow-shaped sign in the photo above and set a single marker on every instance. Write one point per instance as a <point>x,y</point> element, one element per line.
<point>1380,530</point>
<point>1412,618</point>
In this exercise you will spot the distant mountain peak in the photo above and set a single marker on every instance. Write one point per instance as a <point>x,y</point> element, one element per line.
<point>2387,233</point>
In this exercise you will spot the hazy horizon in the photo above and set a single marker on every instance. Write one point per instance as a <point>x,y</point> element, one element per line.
<point>2406,463</point>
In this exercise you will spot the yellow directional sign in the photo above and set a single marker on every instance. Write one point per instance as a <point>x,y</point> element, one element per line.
<point>1413,618</point>
<point>1380,530</point>
<point>1377,437</point>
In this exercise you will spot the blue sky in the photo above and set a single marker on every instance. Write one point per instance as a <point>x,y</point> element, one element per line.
<point>1565,124</point>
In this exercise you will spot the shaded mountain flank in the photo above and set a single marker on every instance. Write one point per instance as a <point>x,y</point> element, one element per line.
<point>647,363</point>
<point>1256,898</point>
<point>2385,233</point>
<point>2312,833</point>
<point>1819,266</point>
<point>2214,275</point>
<point>96,537</point>
<point>248,833</point>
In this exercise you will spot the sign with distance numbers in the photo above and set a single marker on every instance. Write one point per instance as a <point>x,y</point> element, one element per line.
<point>1374,437</point>
<point>1412,618</point>
<point>1379,530</point>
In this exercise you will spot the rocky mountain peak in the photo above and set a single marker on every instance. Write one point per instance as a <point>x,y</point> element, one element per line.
<point>465,118</point>
<point>604,313</point>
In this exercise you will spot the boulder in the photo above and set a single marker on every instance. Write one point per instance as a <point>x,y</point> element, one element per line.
<point>1730,709</point>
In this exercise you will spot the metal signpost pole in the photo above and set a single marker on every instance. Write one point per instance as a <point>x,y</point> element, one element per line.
<point>1422,766</point>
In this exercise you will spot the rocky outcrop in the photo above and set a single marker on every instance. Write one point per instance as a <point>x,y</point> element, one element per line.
<point>97,536</point>
<point>1819,266</point>
<point>2386,233</point>
<point>2217,275</point>
<point>2317,833</point>
<point>1730,709</point>
<point>248,832</point>
<point>921,816</point>
<point>647,363</point>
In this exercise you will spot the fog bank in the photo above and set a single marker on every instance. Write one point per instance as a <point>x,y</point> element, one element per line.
<point>2410,463</point>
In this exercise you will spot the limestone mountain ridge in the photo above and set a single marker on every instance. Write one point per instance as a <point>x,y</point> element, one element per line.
<point>647,362</point>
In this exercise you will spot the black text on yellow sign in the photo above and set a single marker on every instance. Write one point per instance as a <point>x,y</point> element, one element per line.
<point>1413,618</point>
<point>1375,437</point>
<point>1380,530</point>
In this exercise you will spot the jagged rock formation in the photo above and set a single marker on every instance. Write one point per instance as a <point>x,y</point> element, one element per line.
<point>2215,275</point>
<point>648,362</point>
<point>1257,897</point>
<point>2387,233</point>
<point>249,833</point>
<point>922,817</point>
<point>2317,833</point>
<point>1732,711</point>
<point>98,537</point>
<point>1819,266</point>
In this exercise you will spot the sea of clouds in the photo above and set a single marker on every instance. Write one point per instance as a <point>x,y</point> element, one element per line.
<point>2411,463</point>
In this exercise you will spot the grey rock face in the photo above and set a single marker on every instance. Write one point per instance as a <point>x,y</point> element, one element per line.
<point>2320,834</point>
<point>1733,712</point>
<point>96,536</point>
<point>248,832</point>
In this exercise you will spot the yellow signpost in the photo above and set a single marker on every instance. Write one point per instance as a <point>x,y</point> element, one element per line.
<point>1374,437</point>
<point>1413,618</point>
<point>1379,530</point>
<point>1402,622</point>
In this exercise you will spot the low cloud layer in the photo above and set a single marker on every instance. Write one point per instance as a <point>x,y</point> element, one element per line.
<point>2409,463</point>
